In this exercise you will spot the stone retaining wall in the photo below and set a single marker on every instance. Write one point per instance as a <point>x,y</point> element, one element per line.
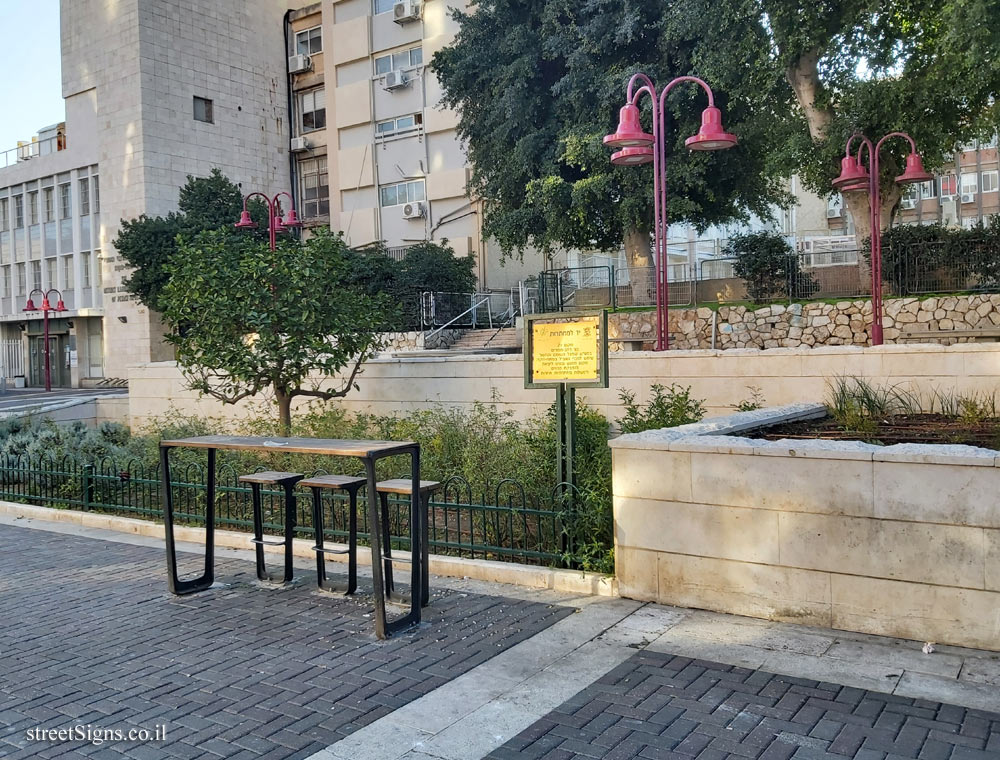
<point>417,340</point>
<point>811,324</point>
<point>890,540</point>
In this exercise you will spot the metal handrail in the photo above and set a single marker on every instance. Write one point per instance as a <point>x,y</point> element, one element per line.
<point>450,322</point>
<point>511,318</point>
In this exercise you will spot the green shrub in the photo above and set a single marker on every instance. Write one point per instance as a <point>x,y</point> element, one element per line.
<point>769,267</point>
<point>666,408</point>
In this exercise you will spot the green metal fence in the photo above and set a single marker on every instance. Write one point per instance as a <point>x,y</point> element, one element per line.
<point>500,523</point>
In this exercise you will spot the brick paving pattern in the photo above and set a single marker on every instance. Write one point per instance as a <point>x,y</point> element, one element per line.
<point>659,706</point>
<point>90,636</point>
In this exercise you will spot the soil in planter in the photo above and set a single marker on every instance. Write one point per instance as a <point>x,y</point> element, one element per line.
<point>896,428</point>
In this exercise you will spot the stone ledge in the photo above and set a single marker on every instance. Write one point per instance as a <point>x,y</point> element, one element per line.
<point>927,453</point>
<point>531,576</point>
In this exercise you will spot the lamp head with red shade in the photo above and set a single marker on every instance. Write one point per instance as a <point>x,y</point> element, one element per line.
<point>60,306</point>
<point>30,306</point>
<point>629,133</point>
<point>853,176</point>
<point>245,222</point>
<point>711,136</point>
<point>914,171</point>
<point>632,156</point>
<point>291,219</point>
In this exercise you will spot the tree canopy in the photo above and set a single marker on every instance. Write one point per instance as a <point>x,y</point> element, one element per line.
<point>147,243</point>
<point>538,83</point>
<point>927,67</point>
<point>246,320</point>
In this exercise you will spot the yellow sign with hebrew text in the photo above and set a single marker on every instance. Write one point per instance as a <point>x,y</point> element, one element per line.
<point>566,351</point>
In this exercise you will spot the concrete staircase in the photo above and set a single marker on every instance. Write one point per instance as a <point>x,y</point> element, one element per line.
<point>506,341</point>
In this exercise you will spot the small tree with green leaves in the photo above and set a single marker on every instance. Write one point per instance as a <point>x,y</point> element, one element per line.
<point>246,320</point>
<point>769,267</point>
<point>147,243</point>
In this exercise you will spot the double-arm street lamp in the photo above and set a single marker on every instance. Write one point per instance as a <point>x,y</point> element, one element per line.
<point>638,147</point>
<point>45,308</point>
<point>853,176</point>
<point>275,224</point>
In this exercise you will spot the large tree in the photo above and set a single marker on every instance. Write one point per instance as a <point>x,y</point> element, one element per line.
<point>927,67</point>
<point>147,243</point>
<point>538,83</point>
<point>246,320</point>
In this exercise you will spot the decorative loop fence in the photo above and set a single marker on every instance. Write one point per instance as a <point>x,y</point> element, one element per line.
<point>501,523</point>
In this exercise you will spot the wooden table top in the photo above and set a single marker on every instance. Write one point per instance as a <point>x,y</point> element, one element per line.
<point>330,446</point>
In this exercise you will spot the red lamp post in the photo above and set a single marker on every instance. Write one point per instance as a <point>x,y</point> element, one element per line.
<point>638,147</point>
<point>853,176</point>
<point>45,308</point>
<point>275,224</point>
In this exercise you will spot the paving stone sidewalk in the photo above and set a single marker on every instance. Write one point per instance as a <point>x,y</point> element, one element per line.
<point>657,706</point>
<point>89,635</point>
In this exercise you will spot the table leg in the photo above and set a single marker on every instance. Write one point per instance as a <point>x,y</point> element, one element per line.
<point>375,541</point>
<point>352,545</point>
<point>174,584</point>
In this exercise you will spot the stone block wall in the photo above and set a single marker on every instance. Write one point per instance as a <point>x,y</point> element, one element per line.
<point>895,540</point>
<point>416,340</point>
<point>843,323</point>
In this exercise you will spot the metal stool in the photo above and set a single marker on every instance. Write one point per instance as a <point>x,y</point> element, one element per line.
<point>287,481</point>
<point>418,531</point>
<point>351,485</point>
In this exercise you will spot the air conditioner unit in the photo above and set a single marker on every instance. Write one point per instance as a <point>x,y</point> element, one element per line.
<point>405,11</point>
<point>395,79</point>
<point>413,210</point>
<point>299,63</point>
<point>968,197</point>
<point>834,213</point>
<point>298,145</point>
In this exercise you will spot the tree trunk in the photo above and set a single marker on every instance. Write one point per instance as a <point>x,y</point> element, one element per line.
<point>803,76</point>
<point>284,402</point>
<point>857,204</point>
<point>639,254</point>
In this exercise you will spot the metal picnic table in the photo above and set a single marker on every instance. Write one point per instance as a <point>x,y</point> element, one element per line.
<point>369,452</point>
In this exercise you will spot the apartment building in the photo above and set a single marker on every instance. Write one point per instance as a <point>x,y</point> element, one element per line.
<point>376,157</point>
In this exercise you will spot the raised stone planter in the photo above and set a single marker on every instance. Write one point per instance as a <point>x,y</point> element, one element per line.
<point>897,540</point>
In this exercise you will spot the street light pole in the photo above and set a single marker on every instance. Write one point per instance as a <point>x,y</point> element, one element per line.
<point>637,147</point>
<point>275,224</point>
<point>45,308</point>
<point>853,176</point>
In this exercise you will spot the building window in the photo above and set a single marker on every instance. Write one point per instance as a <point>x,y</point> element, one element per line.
<point>22,281</point>
<point>383,6</point>
<point>48,200</point>
<point>96,188</point>
<point>404,60</point>
<point>948,185</point>
<point>51,270</point>
<point>203,110</point>
<point>312,110</point>
<point>310,41</point>
<point>4,215</point>
<point>911,194</point>
<point>85,266</point>
<point>970,183</point>
<point>36,275</point>
<point>315,188</point>
<point>835,206</point>
<point>928,189</point>
<point>401,192</point>
<point>65,201</point>
<point>84,197</point>
<point>396,126</point>
<point>33,208</point>
<point>6,282</point>
<point>990,181</point>
<point>970,222</point>
<point>68,272</point>
<point>18,212</point>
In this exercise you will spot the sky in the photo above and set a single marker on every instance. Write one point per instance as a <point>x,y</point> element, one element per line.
<point>31,87</point>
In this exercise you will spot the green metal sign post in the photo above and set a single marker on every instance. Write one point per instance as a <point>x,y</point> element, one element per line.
<point>566,352</point>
